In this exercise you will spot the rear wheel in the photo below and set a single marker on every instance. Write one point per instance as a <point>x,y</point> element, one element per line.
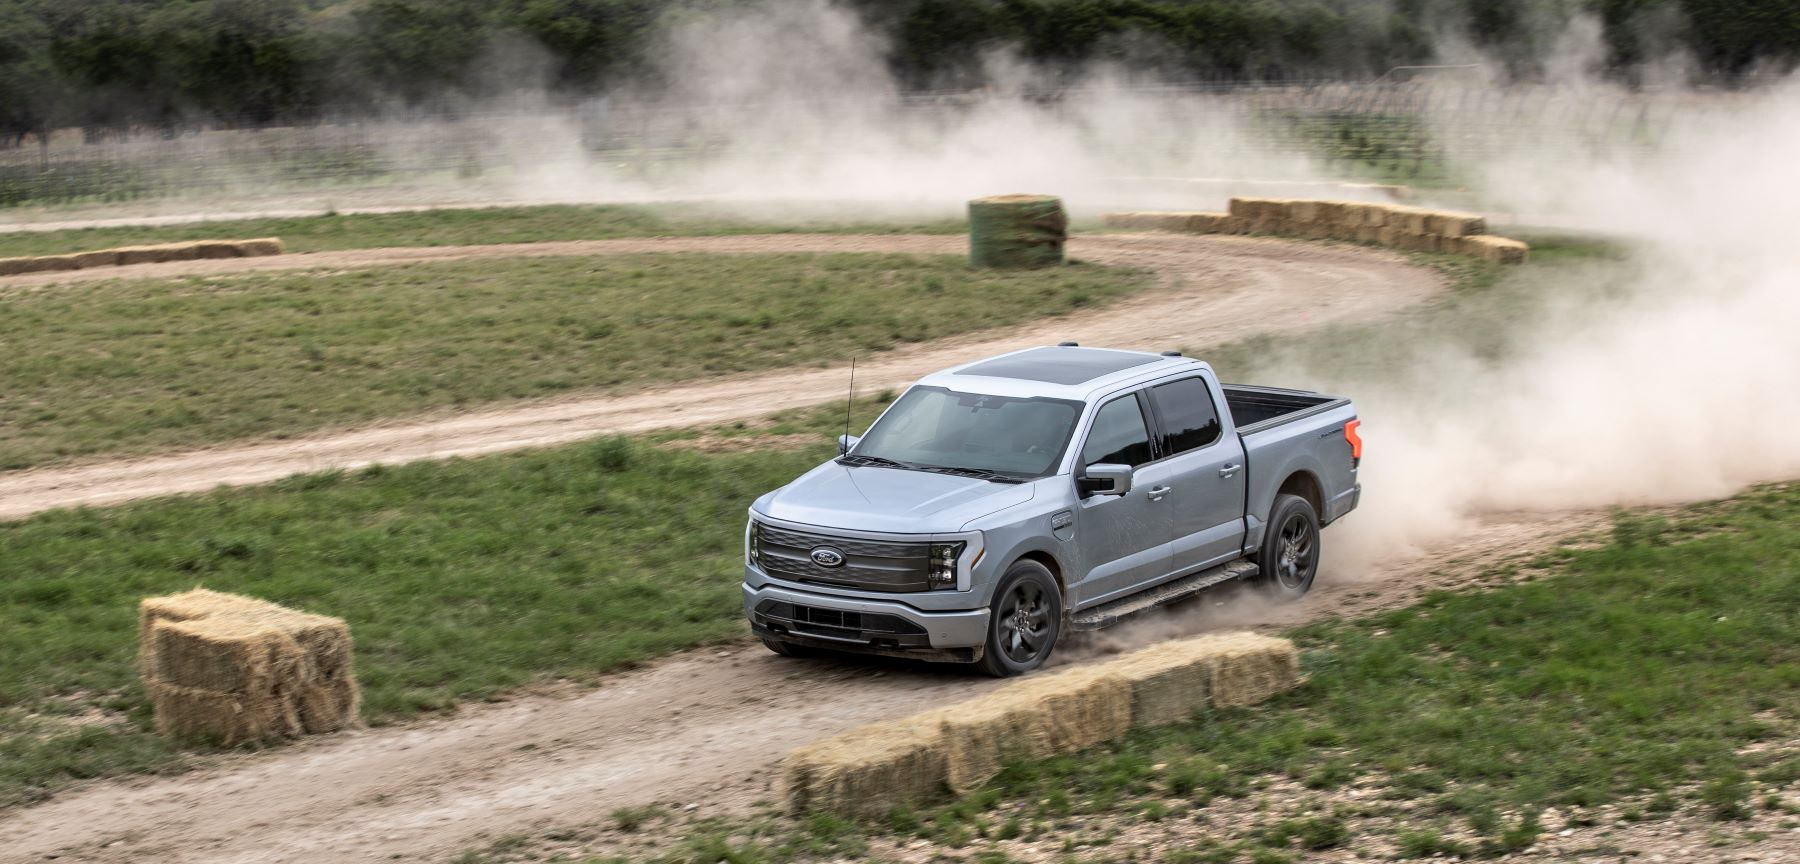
<point>1025,621</point>
<point>1290,551</point>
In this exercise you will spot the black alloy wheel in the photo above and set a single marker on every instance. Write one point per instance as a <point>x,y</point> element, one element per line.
<point>1290,554</point>
<point>1025,621</point>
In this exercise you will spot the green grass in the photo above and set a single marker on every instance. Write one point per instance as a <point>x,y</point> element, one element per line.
<point>133,366</point>
<point>455,227</point>
<point>461,580</point>
<point>1639,668</point>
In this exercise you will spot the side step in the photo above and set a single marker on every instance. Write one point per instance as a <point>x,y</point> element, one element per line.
<point>1108,614</point>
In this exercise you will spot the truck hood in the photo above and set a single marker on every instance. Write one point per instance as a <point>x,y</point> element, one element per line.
<point>896,500</point>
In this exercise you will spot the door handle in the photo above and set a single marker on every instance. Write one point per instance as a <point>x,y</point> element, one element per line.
<point>1157,492</point>
<point>1229,470</point>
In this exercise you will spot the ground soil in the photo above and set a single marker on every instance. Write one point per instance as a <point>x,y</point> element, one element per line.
<point>699,734</point>
<point>1212,290</point>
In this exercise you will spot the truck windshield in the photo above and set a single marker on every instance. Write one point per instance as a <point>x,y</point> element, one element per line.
<point>935,429</point>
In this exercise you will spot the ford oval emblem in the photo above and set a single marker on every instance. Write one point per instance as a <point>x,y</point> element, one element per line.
<point>825,556</point>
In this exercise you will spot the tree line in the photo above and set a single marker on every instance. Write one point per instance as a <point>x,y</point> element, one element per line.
<point>166,64</point>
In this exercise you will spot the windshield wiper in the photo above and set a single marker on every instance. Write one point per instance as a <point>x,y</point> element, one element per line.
<point>977,473</point>
<point>877,461</point>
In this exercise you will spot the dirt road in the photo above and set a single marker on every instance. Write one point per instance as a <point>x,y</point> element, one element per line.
<point>703,729</point>
<point>1214,289</point>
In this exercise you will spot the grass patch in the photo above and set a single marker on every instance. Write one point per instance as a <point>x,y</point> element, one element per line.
<point>453,227</point>
<point>134,366</point>
<point>460,579</point>
<point>1638,670</point>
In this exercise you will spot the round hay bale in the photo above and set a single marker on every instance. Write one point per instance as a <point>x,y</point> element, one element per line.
<point>1020,231</point>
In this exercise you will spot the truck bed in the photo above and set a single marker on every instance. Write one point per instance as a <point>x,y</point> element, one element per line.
<point>1254,409</point>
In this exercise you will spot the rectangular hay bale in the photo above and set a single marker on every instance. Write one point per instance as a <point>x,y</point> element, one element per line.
<point>867,771</point>
<point>1501,250</point>
<point>218,249</point>
<point>260,246</point>
<point>1032,718</point>
<point>229,718</point>
<point>328,706</point>
<point>1451,224</point>
<point>224,655</point>
<point>1250,668</point>
<point>1250,208</point>
<point>189,606</point>
<point>100,258</point>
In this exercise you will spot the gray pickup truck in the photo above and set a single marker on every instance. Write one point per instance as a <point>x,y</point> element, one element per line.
<point>997,505</point>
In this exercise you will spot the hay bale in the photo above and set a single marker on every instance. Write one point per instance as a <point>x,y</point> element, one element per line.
<point>1206,223</point>
<point>211,249</point>
<point>1450,224</point>
<point>37,264</point>
<point>1501,250</point>
<point>1169,681</point>
<point>1016,231</point>
<point>188,606</point>
<point>1032,718</point>
<point>100,258</point>
<point>867,771</point>
<point>329,705</point>
<point>133,255</point>
<point>262,669</point>
<point>1412,220</point>
<point>228,718</point>
<point>1251,668</point>
<point>1251,208</point>
<point>259,247</point>
<point>225,655</point>
<point>1372,215</point>
<point>1368,234</point>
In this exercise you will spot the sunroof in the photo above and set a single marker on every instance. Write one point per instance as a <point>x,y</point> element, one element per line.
<point>1058,365</point>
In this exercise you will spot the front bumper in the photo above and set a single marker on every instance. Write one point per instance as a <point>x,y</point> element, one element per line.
<point>868,626</point>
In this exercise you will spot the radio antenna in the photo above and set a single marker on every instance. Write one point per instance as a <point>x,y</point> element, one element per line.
<point>850,398</point>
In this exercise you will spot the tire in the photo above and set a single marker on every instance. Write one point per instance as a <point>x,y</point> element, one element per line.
<point>1024,623</point>
<point>788,649</point>
<point>1289,558</point>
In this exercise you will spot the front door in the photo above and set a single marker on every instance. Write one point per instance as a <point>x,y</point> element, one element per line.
<point>1207,476</point>
<point>1124,539</point>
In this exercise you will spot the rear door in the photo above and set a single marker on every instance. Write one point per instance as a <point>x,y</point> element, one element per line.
<point>1124,539</point>
<point>1206,474</point>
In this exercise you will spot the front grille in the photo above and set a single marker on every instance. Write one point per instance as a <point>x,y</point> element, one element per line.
<point>869,627</point>
<point>869,565</point>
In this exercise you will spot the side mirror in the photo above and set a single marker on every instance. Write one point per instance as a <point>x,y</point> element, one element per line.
<point>846,442</point>
<point>1105,479</point>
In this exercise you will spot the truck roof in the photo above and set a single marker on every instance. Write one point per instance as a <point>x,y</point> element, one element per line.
<point>1063,372</point>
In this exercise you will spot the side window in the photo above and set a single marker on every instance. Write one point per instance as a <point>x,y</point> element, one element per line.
<point>1190,419</point>
<point>1119,436</point>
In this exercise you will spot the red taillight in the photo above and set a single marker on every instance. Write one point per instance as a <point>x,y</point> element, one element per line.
<point>1354,439</point>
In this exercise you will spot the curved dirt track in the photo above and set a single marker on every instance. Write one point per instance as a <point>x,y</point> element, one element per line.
<point>701,730</point>
<point>1214,289</point>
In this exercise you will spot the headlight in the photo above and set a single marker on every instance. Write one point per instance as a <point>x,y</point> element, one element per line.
<point>755,544</point>
<point>941,572</point>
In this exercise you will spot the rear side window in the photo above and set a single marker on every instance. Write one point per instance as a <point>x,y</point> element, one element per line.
<point>1119,436</point>
<point>1190,420</point>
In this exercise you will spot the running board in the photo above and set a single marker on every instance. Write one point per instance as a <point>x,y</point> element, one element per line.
<point>1108,614</point>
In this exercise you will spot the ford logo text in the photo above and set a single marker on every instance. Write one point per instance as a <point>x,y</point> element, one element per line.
<point>825,556</point>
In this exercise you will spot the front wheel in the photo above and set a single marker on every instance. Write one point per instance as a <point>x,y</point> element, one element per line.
<point>1290,550</point>
<point>1025,621</point>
